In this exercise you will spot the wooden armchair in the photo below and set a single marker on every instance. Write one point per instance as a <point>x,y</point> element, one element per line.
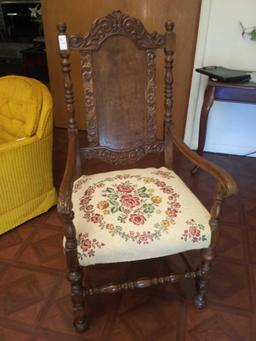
<point>132,214</point>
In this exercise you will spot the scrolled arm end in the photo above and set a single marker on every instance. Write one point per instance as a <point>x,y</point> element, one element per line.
<point>226,184</point>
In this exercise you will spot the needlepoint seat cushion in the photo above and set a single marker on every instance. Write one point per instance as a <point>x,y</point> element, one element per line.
<point>136,214</point>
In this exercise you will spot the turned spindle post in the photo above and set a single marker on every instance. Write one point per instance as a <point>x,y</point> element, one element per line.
<point>168,92</point>
<point>65,205</point>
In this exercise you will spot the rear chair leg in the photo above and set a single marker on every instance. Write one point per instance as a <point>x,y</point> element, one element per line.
<point>208,254</point>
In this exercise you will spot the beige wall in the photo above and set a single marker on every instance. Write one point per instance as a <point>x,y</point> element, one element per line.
<point>79,15</point>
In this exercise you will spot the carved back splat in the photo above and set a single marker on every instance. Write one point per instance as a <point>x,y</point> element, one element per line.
<point>118,63</point>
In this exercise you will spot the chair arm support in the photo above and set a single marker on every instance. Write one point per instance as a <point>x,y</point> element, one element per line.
<point>227,184</point>
<point>65,192</point>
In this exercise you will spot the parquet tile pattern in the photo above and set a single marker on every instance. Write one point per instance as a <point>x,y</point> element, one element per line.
<point>34,292</point>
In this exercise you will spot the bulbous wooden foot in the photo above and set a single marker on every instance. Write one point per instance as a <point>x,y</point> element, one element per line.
<point>200,301</point>
<point>81,324</point>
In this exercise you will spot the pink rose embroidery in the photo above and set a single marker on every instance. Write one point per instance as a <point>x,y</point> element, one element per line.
<point>89,191</point>
<point>85,244</point>
<point>96,218</point>
<point>87,215</point>
<point>168,189</point>
<point>143,238</point>
<point>130,201</point>
<point>160,183</point>
<point>137,219</point>
<point>194,232</point>
<point>88,246</point>
<point>85,201</point>
<point>171,212</point>
<point>124,188</point>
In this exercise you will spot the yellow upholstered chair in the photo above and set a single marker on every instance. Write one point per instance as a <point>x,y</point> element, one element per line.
<point>26,184</point>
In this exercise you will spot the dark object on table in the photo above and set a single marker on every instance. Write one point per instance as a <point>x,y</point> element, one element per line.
<point>225,75</point>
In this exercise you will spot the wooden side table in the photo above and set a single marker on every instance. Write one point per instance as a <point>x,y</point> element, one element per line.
<point>231,92</point>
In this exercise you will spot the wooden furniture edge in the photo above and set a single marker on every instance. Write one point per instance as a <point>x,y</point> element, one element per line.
<point>64,206</point>
<point>226,181</point>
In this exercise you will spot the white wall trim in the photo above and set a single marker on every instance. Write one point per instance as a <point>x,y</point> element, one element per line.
<point>229,149</point>
<point>198,83</point>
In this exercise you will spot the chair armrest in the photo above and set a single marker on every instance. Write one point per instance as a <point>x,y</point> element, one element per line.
<point>64,206</point>
<point>226,182</point>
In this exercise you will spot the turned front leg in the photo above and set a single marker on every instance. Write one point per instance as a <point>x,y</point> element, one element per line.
<point>202,279</point>
<point>75,276</point>
<point>208,254</point>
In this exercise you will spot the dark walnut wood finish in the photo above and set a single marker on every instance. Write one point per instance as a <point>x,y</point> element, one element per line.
<point>118,70</point>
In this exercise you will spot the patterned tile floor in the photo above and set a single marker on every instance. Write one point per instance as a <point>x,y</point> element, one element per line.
<point>34,292</point>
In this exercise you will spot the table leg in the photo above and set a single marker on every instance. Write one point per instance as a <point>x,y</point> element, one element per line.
<point>207,104</point>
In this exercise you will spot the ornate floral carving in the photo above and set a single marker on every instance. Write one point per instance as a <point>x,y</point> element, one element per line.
<point>65,206</point>
<point>91,122</point>
<point>117,157</point>
<point>117,23</point>
<point>151,93</point>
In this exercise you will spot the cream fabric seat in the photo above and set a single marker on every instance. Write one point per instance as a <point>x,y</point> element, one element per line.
<point>136,214</point>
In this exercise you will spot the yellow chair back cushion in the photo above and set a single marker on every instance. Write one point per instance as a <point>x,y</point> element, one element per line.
<point>20,108</point>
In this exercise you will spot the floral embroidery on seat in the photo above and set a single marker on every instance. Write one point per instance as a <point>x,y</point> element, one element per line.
<point>79,183</point>
<point>164,174</point>
<point>87,245</point>
<point>194,232</point>
<point>125,198</point>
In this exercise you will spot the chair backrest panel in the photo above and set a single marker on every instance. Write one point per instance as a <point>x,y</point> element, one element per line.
<point>125,114</point>
<point>118,64</point>
<point>120,76</point>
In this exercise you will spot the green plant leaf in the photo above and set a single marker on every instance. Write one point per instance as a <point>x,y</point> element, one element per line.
<point>253,34</point>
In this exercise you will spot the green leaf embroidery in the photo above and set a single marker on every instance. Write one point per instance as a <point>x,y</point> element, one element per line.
<point>113,196</point>
<point>110,190</point>
<point>114,209</point>
<point>143,195</point>
<point>114,203</point>
<point>201,227</point>
<point>121,219</point>
<point>148,208</point>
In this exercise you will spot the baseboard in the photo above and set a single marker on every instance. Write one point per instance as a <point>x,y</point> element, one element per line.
<point>226,149</point>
